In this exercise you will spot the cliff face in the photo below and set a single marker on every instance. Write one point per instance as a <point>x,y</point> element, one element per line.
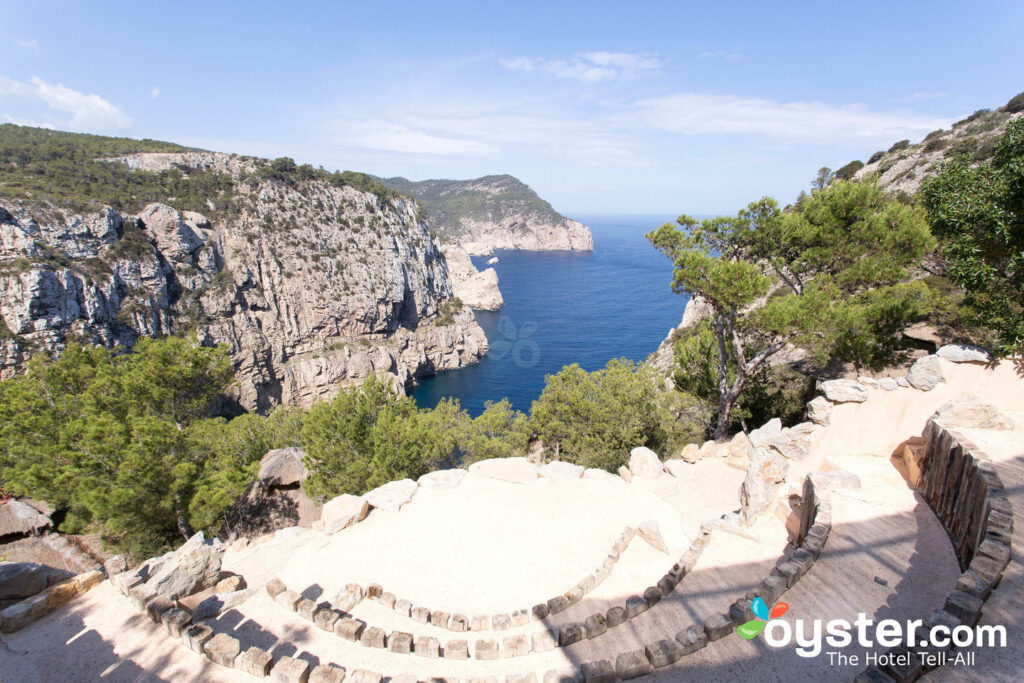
<point>475,288</point>
<point>494,212</point>
<point>311,284</point>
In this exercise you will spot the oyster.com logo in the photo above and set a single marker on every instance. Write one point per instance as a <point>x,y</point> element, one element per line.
<point>517,342</point>
<point>752,628</point>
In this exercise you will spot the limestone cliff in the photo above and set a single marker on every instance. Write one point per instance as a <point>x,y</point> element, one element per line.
<point>476,289</point>
<point>311,282</point>
<point>494,212</point>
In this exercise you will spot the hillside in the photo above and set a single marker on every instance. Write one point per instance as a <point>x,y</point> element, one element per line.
<point>312,279</point>
<point>493,212</point>
<point>903,167</point>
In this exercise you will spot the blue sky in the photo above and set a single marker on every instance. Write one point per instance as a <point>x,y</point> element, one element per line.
<point>602,107</point>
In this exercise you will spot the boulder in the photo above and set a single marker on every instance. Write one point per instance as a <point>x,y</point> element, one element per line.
<point>819,411</point>
<point>650,532</point>
<point>925,373</point>
<point>844,391</point>
<point>763,434</point>
<point>218,603</point>
<point>767,470</point>
<point>115,565</point>
<point>442,479</point>
<point>393,495</point>
<point>971,411</point>
<point>869,382</point>
<point>175,238</point>
<point>643,462</point>
<point>17,518</point>
<point>21,579</point>
<point>888,383</point>
<point>558,469</point>
<point>192,567</point>
<point>593,473</point>
<point>738,452</point>
<point>343,511</point>
<point>690,452</point>
<point>514,470</point>
<point>709,449</point>
<point>794,443</point>
<point>964,353</point>
<point>283,467</point>
<point>678,468</point>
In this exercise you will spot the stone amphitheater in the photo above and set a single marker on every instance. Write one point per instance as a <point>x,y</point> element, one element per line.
<point>899,498</point>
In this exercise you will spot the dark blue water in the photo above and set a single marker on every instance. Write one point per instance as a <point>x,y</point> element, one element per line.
<point>563,308</point>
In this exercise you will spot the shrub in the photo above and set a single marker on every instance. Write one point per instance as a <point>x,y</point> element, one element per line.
<point>901,145</point>
<point>847,172</point>
<point>1016,103</point>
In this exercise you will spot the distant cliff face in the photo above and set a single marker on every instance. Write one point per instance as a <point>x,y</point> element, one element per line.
<point>312,284</point>
<point>494,212</point>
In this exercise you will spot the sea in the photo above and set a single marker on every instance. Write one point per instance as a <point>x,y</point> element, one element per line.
<point>565,307</point>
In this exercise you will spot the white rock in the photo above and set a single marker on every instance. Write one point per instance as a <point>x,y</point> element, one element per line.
<point>643,462</point>
<point>926,373</point>
<point>17,518</point>
<point>708,449</point>
<point>971,411</point>
<point>738,452</point>
<point>794,443</point>
<point>963,353</point>
<point>650,532</point>
<point>836,479</point>
<point>844,391</point>
<point>690,452</point>
<point>902,381</point>
<point>889,384</point>
<point>393,495</point>
<point>558,469</point>
<point>491,261</point>
<point>819,410</point>
<point>678,468</point>
<point>192,567</point>
<point>515,470</point>
<point>868,381</point>
<point>595,474</point>
<point>220,602</point>
<point>343,511</point>
<point>765,432</point>
<point>767,470</point>
<point>442,479</point>
<point>283,467</point>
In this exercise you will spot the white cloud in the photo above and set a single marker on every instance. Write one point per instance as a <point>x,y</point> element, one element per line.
<point>87,111</point>
<point>814,122</point>
<point>29,45</point>
<point>155,92</point>
<point>918,96</point>
<point>728,55</point>
<point>588,67</point>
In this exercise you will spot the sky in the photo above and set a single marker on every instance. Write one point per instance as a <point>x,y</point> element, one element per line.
<point>601,107</point>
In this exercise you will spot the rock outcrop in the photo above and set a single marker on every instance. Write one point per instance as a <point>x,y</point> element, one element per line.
<point>476,289</point>
<point>494,212</point>
<point>190,568</point>
<point>312,284</point>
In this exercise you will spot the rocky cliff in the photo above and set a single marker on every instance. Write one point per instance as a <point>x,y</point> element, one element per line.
<point>475,288</point>
<point>494,212</point>
<point>312,282</point>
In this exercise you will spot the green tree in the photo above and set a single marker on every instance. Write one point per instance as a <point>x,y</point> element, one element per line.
<point>808,278</point>
<point>498,432</point>
<point>978,214</point>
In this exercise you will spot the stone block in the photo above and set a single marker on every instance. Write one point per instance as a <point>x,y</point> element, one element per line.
<point>196,637</point>
<point>175,621</point>
<point>516,646</point>
<point>485,649</point>
<point>501,622</point>
<point>305,608</point>
<point>964,606</point>
<point>403,607</point>
<point>440,618</point>
<point>480,622</point>
<point>420,614</point>
<point>557,604</point>
<point>740,612</point>
<point>632,665</point>
<point>717,626</point>
<point>400,642</point>
<point>520,617</point>
<point>569,634</point>
<point>255,662</point>
<point>996,550</point>
<point>125,581</point>
<point>566,674</point>
<point>364,676</point>
<point>156,607</point>
<point>456,649</point>
<point>970,582</point>
<point>349,628</point>
<point>663,653</point>
<point>691,639</point>
<point>325,618</point>
<point>290,670</point>
<point>600,671</point>
<point>788,571</point>
<point>373,636</point>
<point>666,585</point>
<point>539,612</point>
<point>652,595</point>
<point>573,596</point>
<point>635,605</point>
<point>140,596</point>
<point>616,616</point>
<point>388,600</point>
<point>544,641</point>
<point>596,625</point>
<point>772,588</point>
<point>426,646</point>
<point>288,599</point>
<point>326,673</point>
<point>222,649</point>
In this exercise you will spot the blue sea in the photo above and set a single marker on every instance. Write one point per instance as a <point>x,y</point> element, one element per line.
<point>563,308</point>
